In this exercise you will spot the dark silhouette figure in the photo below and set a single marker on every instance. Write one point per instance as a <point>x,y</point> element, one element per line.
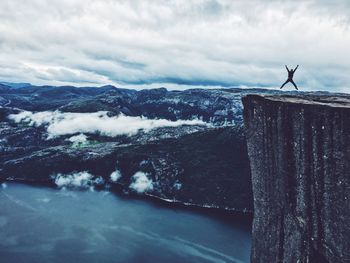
<point>290,77</point>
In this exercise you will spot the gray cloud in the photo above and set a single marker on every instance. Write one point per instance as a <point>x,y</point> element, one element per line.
<point>203,42</point>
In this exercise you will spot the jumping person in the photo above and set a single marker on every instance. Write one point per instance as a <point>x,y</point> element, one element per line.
<point>290,77</point>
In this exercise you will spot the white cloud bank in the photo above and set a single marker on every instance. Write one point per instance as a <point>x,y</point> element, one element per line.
<point>141,183</point>
<point>194,42</point>
<point>77,180</point>
<point>59,123</point>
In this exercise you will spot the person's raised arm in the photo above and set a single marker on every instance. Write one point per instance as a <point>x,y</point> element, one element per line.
<point>287,68</point>
<point>296,68</point>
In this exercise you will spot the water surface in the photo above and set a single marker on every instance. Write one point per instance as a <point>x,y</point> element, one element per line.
<point>39,224</point>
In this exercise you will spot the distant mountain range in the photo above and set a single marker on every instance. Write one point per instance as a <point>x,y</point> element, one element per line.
<point>15,85</point>
<point>189,145</point>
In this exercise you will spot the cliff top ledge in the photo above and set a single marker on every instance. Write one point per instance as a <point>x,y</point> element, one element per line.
<point>331,100</point>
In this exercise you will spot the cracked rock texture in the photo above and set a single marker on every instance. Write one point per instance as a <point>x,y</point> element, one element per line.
<point>299,151</point>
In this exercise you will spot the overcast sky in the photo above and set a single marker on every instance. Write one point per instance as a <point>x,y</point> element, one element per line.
<point>141,43</point>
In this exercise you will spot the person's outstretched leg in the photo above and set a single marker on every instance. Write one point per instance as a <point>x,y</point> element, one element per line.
<point>284,84</point>
<point>295,85</point>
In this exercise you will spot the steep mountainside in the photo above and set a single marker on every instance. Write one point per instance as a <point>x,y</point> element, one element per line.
<point>188,147</point>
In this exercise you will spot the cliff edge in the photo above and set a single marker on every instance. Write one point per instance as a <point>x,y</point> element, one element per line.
<point>299,151</point>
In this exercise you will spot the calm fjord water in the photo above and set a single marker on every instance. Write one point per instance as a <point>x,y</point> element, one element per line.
<point>39,224</point>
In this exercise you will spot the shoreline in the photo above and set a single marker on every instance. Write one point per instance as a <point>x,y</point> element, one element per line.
<point>227,215</point>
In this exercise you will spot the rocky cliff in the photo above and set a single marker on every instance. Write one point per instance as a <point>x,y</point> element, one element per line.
<point>299,151</point>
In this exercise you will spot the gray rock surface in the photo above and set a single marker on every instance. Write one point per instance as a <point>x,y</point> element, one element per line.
<point>299,151</point>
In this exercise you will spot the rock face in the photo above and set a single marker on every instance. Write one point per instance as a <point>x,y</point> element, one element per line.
<point>299,151</point>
